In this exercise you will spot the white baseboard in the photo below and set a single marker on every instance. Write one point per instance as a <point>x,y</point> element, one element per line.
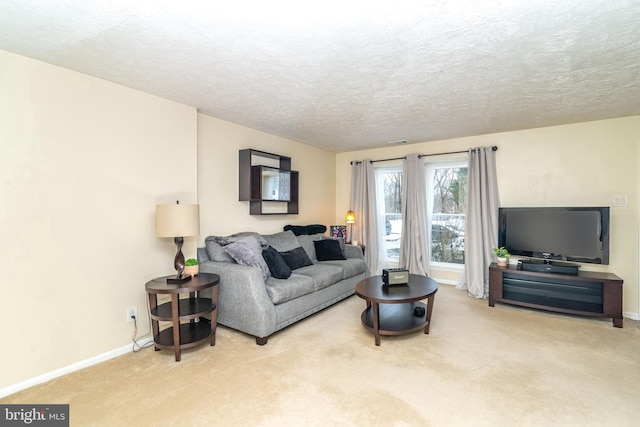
<point>71,368</point>
<point>632,316</point>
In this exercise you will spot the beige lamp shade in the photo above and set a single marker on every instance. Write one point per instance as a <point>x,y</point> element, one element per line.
<point>350,218</point>
<point>177,220</point>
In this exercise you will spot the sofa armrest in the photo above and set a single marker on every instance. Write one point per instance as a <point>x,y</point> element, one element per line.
<point>351,251</point>
<point>243,302</point>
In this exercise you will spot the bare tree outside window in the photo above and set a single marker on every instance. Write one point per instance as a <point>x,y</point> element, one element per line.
<point>448,220</point>
<point>393,192</point>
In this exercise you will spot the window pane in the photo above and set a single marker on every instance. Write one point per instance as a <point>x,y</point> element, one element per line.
<point>448,218</point>
<point>389,183</point>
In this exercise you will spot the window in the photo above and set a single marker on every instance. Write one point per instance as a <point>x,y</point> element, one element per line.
<point>389,188</point>
<point>447,204</point>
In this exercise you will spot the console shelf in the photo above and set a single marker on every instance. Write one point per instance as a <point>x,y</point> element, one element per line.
<point>586,294</point>
<point>269,189</point>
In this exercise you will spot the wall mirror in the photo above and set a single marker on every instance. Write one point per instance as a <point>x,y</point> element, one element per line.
<point>276,184</point>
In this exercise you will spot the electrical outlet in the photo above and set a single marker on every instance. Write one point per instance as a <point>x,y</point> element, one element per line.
<point>132,312</point>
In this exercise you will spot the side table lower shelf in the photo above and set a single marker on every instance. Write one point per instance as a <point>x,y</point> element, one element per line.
<point>191,335</point>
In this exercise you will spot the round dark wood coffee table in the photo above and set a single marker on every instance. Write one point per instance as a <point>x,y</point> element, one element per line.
<point>390,309</point>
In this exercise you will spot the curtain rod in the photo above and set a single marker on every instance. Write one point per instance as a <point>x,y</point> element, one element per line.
<point>493,148</point>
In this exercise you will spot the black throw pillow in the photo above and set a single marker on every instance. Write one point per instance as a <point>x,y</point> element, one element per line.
<point>296,258</point>
<point>302,230</point>
<point>328,250</point>
<point>277,266</point>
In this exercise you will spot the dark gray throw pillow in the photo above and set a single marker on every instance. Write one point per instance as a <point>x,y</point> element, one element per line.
<point>328,250</point>
<point>296,258</point>
<point>278,267</point>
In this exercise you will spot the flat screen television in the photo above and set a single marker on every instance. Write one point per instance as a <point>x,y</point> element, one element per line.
<point>578,234</point>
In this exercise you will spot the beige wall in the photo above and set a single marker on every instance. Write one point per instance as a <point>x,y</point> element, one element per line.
<point>579,164</point>
<point>220,211</point>
<point>84,162</point>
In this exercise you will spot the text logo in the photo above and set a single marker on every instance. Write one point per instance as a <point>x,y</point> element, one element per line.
<point>34,415</point>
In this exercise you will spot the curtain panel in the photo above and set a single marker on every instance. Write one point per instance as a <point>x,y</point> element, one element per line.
<point>414,243</point>
<point>364,206</point>
<point>481,233</point>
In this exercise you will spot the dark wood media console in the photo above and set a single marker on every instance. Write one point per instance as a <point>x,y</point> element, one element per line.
<point>588,293</point>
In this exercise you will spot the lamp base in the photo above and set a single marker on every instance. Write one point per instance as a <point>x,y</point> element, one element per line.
<point>178,279</point>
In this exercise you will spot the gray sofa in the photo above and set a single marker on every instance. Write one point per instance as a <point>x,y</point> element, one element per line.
<point>259,304</point>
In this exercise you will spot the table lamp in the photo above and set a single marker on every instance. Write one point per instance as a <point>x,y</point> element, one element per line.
<point>350,219</point>
<point>178,221</point>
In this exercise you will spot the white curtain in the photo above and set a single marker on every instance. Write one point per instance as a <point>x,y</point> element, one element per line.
<point>481,231</point>
<point>364,206</point>
<point>414,246</point>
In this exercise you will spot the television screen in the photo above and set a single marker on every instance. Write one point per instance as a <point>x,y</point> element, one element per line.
<point>579,234</point>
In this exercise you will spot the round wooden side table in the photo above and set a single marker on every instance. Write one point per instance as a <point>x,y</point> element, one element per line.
<point>189,326</point>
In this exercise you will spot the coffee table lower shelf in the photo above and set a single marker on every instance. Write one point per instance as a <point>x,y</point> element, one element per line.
<point>396,319</point>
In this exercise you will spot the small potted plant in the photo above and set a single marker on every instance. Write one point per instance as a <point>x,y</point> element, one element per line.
<point>502,255</point>
<point>191,267</point>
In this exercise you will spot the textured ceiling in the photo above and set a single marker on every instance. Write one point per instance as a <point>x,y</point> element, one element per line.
<point>351,74</point>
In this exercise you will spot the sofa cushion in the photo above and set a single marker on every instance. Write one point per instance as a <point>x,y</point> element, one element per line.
<point>296,258</point>
<point>328,249</point>
<point>247,251</point>
<point>277,266</point>
<point>323,275</point>
<point>283,241</point>
<point>306,241</point>
<point>216,252</point>
<point>283,290</point>
<point>351,267</point>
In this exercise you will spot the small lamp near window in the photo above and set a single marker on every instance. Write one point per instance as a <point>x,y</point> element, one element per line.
<point>350,219</point>
<point>178,221</point>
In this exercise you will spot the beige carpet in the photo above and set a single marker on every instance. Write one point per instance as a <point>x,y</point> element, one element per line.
<point>479,366</point>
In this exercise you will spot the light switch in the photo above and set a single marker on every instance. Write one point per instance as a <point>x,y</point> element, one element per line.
<point>620,201</point>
